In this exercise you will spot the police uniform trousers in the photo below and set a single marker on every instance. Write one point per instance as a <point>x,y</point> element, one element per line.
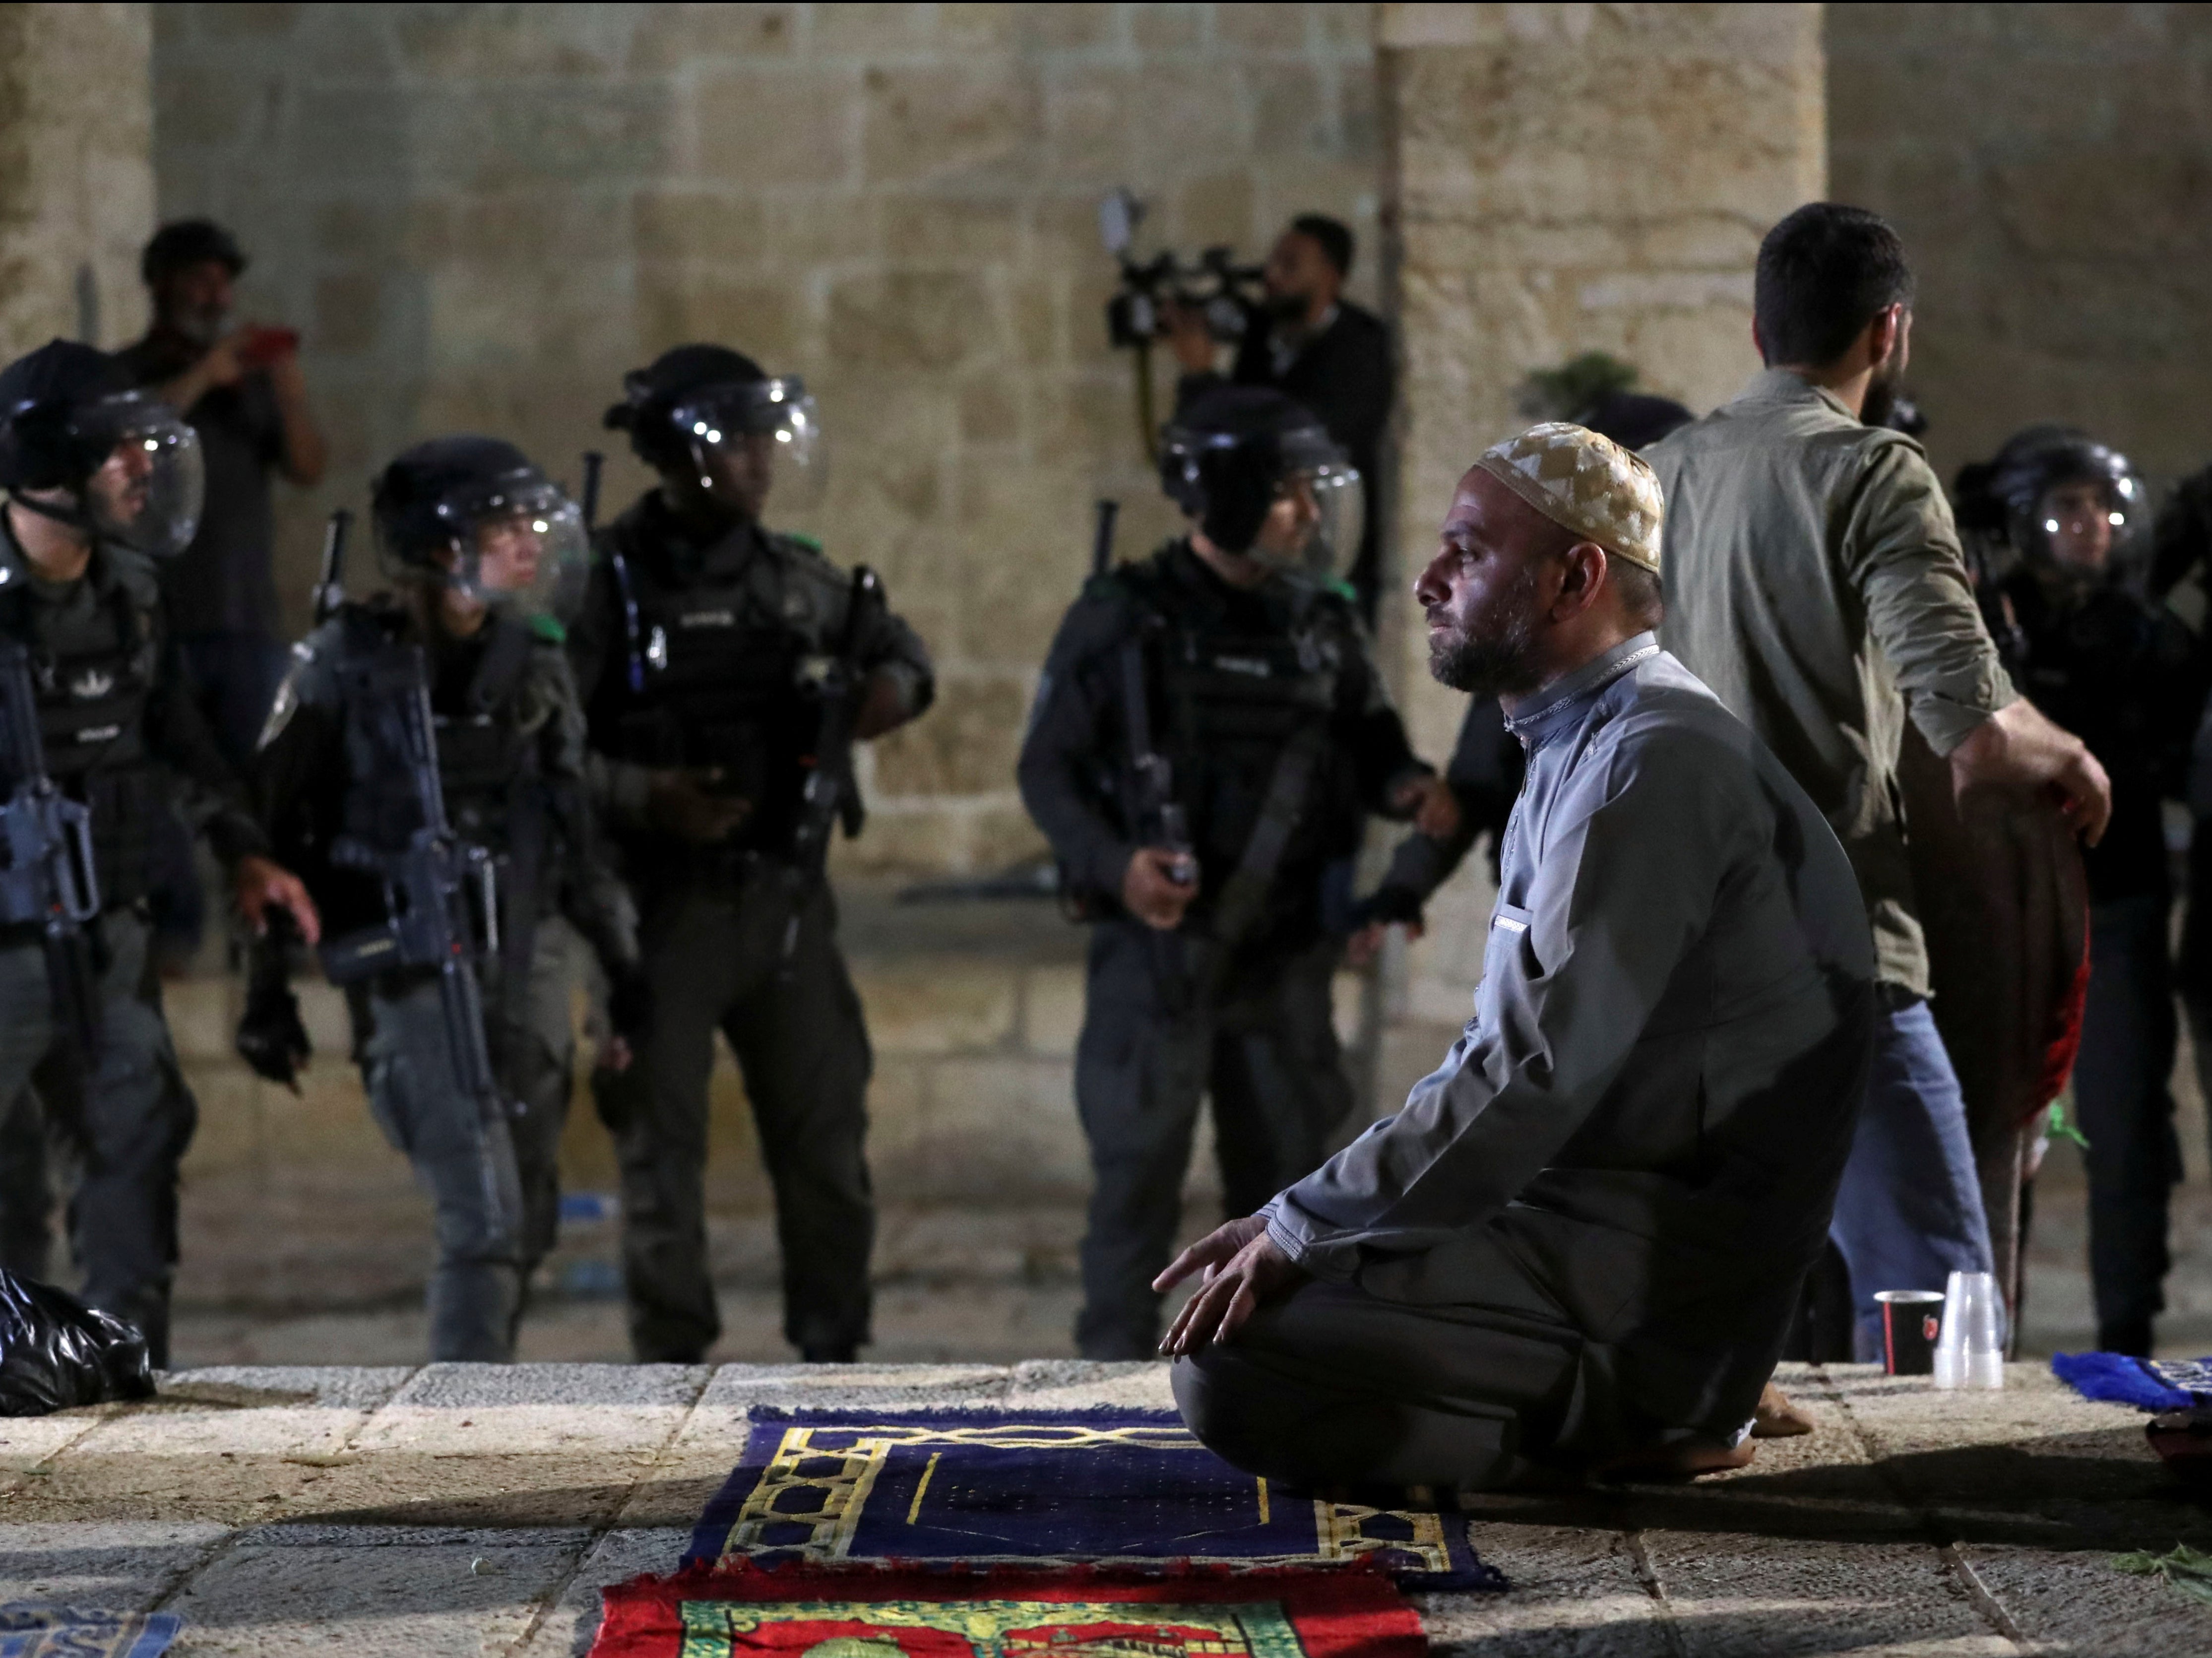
<point>534,1043</point>
<point>714,954</point>
<point>1151,1046</point>
<point>2125,1110</point>
<point>128,1123</point>
<point>492,1175</point>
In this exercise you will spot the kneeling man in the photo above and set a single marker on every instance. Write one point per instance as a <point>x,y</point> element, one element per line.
<point>1580,1241</point>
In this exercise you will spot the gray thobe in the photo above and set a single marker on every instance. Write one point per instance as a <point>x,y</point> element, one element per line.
<point>1586,1231</point>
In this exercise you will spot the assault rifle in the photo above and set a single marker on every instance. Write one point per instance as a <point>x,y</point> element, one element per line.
<point>830,794</point>
<point>48,878</point>
<point>427,883</point>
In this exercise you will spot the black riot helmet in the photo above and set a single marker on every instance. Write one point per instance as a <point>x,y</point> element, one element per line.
<point>80,445</point>
<point>2066,503</point>
<point>712,417</point>
<point>475,514</point>
<point>1236,452</point>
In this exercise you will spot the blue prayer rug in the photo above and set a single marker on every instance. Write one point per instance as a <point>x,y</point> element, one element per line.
<point>2149,1384</point>
<point>35,1631</point>
<point>1050,1488</point>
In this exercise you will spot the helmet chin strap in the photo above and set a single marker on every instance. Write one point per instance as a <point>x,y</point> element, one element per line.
<point>75,517</point>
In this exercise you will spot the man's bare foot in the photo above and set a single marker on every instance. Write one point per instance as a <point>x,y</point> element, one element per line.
<point>1776,1417</point>
<point>1682,1460</point>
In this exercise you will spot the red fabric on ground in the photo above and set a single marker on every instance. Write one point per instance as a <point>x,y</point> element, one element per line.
<point>903,1613</point>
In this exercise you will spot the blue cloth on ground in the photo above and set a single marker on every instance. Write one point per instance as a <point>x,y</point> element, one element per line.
<point>35,1631</point>
<point>2149,1384</point>
<point>1131,1487</point>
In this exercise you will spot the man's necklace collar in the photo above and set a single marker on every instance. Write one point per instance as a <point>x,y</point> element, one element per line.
<point>1572,690</point>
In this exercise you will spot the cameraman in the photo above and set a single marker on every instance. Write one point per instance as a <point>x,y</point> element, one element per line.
<point>1319,349</point>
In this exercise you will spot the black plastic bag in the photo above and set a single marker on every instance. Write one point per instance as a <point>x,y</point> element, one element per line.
<point>55,1352</point>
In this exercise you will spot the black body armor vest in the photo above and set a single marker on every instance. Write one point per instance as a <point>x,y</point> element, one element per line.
<point>1229,702</point>
<point>709,677</point>
<point>488,764</point>
<point>93,688</point>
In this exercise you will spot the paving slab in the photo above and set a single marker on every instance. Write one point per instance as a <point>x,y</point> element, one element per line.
<point>109,1566</point>
<point>474,1509</point>
<point>437,1598</point>
<point>1577,1592</point>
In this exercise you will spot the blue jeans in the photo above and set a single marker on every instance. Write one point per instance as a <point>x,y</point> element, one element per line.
<point>1909,1211</point>
<point>2126,1113</point>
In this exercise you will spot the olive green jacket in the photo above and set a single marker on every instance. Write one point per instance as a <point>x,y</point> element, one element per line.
<point>1815,581</point>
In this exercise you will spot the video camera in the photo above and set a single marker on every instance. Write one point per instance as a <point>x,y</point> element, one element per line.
<point>1225,293</point>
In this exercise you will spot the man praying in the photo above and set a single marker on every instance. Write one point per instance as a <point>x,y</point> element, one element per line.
<point>1580,1243</point>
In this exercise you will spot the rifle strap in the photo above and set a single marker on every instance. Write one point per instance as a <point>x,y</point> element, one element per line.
<point>1136,706</point>
<point>1245,896</point>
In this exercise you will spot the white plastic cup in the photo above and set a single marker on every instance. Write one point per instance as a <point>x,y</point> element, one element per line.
<point>1970,1349</point>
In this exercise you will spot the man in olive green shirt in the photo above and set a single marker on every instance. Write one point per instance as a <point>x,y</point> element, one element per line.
<point>1815,581</point>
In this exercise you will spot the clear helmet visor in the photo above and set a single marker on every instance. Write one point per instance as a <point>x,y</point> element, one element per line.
<point>516,542</point>
<point>752,438</point>
<point>147,493</point>
<point>1319,511</point>
<point>2091,528</point>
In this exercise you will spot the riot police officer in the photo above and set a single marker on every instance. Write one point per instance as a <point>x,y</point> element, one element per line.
<point>727,669</point>
<point>102,482</point>
<point>2060,523</point>
<point>1209,730</point>
<point>426,758</point>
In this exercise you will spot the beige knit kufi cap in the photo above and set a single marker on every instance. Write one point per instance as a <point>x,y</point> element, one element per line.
<point>1586,483</point>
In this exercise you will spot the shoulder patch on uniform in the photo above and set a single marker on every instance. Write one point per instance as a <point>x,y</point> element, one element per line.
<point>549,629</point>
<point>1345,591</point>
<point>798,538</point>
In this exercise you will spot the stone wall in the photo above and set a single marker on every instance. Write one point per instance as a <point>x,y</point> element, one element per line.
<point>76,179</point>
<point>1565,179</point>
<point>2050,170</point>
<point>483,215</point>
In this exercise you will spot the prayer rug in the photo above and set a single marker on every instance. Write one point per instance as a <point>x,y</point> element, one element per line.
<point>1125,1488</point>
<point>32,1631</point>
<point>812,1612</point>
<point>2149,1384</point>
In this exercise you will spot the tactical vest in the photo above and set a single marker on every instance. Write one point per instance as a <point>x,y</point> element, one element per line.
<point>1228,705</point>
<point>489,766</point>
<point>708,676</point>
<point>92,691</point>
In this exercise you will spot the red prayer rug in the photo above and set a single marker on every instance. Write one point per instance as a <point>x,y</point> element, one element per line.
<point>816,1612</point>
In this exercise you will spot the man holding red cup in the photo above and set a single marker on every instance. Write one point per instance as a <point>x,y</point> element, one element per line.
<point>241,387</point>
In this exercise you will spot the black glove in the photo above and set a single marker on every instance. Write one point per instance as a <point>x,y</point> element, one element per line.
<point>629,1006</point>
<point>270,1037</point>
<point>1387,905</point>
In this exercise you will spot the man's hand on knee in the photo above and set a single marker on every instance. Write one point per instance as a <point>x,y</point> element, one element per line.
<point>1243,1267</point>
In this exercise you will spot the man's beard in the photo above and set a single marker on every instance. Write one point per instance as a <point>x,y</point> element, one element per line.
<point>1882,387</point>
<point>202,325</point>
<point>1499,660</point>
<point>1289,307</point>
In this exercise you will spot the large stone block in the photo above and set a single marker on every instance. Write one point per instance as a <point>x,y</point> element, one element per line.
<point>910,320</point>
<point>938,1004</point>
<point>790,126</point>
<point>967,744</point>
<point>673,38</point>
<point>693,303</point>
<point>1004,1124</point>
<point>945,121</point>
<point>470,43</point>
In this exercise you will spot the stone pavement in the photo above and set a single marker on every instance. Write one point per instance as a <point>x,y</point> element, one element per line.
<point>473,1509</point>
